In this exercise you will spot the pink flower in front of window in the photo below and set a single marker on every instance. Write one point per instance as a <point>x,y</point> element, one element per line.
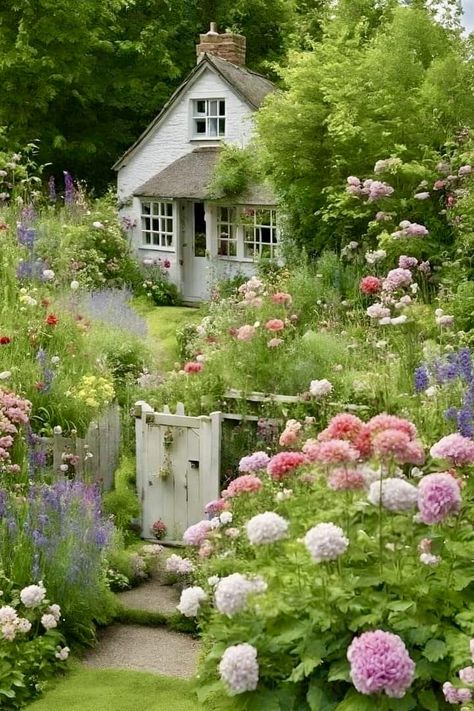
<point>167,264</point>
<point>275,324</point>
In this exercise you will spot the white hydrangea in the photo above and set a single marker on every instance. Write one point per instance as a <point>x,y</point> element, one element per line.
<point>55,611</point>
<point>23,625</point>
<point>375,256</point>
<point>48,621</point>
<point>190,601</point>
<point>326,541</point>
<point>8,615</point>
<point>225,517</point>
<point>238,668</point>
<point>267,527</point>
<point>283,495</point>
<point>215,522</point>
<point>397,495</point>
<point>33,595</point>
<point>178,566</point>
<point>320,388</point>
<point>62,653</point>
<point>213,580</point>
<point>429,559</point>
<point>232,592</point>
<point>152,549</point>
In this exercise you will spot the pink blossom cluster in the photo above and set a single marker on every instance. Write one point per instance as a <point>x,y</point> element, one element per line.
<point>275,325</point>
<point>245,333</point>
<point>370,189</point>
<point>193,367</point>
<point>214,508</point>
<point>380,663</point>
<point>405,262</point>
<point>196,534</point>
<point>454,448</point>
<point>331,452</point>
<point>410,229</point>
<point>245,484</point>
<point>281,297</point>
<point>177,565</point>
<point>254,462</point>
<point>439,496</point>
<point>14,412</point>
<point>290,435</point>
<point>346,480</point>
<point>370,285</point>
<point>461,695</point>
<point>284,463</point>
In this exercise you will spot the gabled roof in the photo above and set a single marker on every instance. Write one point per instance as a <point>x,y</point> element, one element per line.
<point>251,87</point>
<point>190,176</point>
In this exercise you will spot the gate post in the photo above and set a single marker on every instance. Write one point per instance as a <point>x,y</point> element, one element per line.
<point>141,431</point>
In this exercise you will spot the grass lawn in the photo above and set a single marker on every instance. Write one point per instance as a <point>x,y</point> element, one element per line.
<point>163,321</point>
<point>111,690</point>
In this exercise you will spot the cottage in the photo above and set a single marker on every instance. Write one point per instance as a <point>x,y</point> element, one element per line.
<point>163,178</point>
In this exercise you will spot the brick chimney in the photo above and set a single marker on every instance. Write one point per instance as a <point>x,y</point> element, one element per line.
<point>228,46</point>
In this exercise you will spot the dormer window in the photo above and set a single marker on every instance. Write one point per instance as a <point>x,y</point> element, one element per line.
<point>208,118</point>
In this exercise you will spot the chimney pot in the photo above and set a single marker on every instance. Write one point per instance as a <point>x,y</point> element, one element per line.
<point>228,46</point>
<point>213,29</point>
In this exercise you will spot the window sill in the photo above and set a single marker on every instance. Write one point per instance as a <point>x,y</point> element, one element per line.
<point>155,248</point>
<point>207,139</point>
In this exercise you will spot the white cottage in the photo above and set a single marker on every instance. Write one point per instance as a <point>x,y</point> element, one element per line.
<point>163,178</point>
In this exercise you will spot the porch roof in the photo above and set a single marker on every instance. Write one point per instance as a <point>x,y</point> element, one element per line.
<point>189,177</point>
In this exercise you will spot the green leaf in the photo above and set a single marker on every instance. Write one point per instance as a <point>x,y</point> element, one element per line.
<point>264,699</point>
<point>427,700</point>
<point>339,671</point>
<point>435,649</point>
<point>318,698</point>
<point>406,704</point>
<point>353,701</point>
<point>400,605</point>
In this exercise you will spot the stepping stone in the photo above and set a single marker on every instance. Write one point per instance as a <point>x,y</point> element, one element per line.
<point>151,649</point>
<point>151,596</point>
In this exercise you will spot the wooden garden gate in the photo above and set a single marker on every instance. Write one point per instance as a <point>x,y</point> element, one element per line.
<point>178,466</point>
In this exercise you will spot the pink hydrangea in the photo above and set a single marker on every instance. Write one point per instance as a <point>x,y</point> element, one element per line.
<point>390,422</point>
<point>197,533</point>
<point>378,311</point>
<point>245,333</point>
<point>281,298</point>
<point>439,496</point>
<point>346,480</point>
<point>390,444</point>
<point>214,508</point>
<point>455,448</point>
<point>397,279</point>
<point>245,484</point>
<point>335,451</point>
<point>275,324</point>
<point>370,285</point>
<point>380,663</point>
<point>405,262</point>
<point>454,695</point>
<point>284,463</point>
<point>342,426</point>
<point>288,438</point>
<point>254,462</point>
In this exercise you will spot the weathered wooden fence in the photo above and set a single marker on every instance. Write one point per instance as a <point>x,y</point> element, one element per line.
<point>96,455</point>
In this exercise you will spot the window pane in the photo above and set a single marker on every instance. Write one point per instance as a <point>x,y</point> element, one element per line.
<point>213,127</point>
<point>263,217</point>
<point>147,238</point>
<point>155,224</point>
<point>265,235</point>
<point>200,106</point>
<point>213,108</point>
<point>169,225</point>
<point>200,126</point>
<point>169,239</point>
<point>224,214</point>
<point>156,239</point>
<point>221,108</point>
<point>146,223</point>
<point>146,208</point>
<point>233,248</point>
<point>221,127</point>
<point>169,209</point>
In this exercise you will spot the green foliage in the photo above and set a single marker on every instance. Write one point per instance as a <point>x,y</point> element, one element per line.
<point>235,171</point>
<point>157,286</point>
<point>122,502</point>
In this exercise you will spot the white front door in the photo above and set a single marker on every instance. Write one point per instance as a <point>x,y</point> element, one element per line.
<point>195,262</point>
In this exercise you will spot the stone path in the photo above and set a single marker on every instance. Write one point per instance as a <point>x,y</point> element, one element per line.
<point>152,596</point>
<point>151,649</point>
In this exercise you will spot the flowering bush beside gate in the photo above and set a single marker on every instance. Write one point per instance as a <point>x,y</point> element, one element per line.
<point>339,575</point>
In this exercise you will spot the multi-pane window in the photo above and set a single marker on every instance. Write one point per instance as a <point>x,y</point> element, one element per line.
<point>260,233</point>
<point>157,222</point>
<point>208,118</point>
<point>226,232</point>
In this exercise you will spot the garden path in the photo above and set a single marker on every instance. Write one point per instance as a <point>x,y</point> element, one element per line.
<point>152,596</point>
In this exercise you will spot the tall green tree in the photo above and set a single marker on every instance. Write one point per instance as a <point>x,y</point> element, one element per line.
<point>386,79</point>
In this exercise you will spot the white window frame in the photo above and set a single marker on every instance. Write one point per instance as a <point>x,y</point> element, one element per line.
<point>245,226</point>
<point>209,115</point>
<point>155,225</point>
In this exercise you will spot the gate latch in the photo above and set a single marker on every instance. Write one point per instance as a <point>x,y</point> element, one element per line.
<point>194,463</point>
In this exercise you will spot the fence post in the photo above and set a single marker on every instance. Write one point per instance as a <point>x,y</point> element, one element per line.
<point>141,429</point>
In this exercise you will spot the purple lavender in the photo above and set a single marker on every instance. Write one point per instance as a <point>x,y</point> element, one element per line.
<point>422,378</point>
<point>112,306</point>
<point>25,235</point>
<point>69,189</point>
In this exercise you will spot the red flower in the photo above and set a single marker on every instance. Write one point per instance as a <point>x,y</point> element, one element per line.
<point>370,285</point>
<point>5,340</point>
<point>40,385</point>
<point>193,367</point>
<point>51,320</point>
<point>45,302</point>
<point>167,264</point>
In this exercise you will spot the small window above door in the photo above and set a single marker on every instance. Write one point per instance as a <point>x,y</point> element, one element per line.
<point>208,118</point>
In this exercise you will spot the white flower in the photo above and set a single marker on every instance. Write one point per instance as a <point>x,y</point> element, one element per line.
<point>267,527</point>
<point>178,565</point>
<point>190,601</point>
<point>49,622</point>
<point>62,653</point>
<point>326,541</point>
<point>399,319</point>
<point>467,675</point>
<point>55,611</point>
<point>431,391</point>
<point>8,615</point>
<point>215,522</point>
<point>33,595</point>
<point>9,631</point>
<point>225,517</point>
<point>284,495</point>
<point>23,625</point>
<point>152,549</point>
<point>231,593</point>
<point>238,668</point>
<point>397,495</point>
<point>5,374</point>
<point>48,274</point>
<point>55,360</point>
<point>98,225</point>
<point>63,467</point>
<point>439,312</point>
<point>444,321</point>
<point>320,388</point>
<point>213,580</point>
<point>378,311</point>
<point>74,285</point>
<point>385,321</point>
<point>430,559</point>
<point>375,256</point>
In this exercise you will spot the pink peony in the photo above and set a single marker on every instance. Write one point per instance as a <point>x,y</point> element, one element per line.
<point>342,426</point>
<point>390,444</point>
<point>195,535</point>
<point>284,463</point>
<point>334,451</point>
<point>282,298</point>
<point>405,262</point>
<point>390,422</point>
<point>377,311</point>
<point>346,480</point>
<point>455,448</point>
<point>380,663</point>
<point>370,285</point>
<point>245,484</point>
<point>275,324</point>
<point>245,333</point>
<point>439,496</point>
